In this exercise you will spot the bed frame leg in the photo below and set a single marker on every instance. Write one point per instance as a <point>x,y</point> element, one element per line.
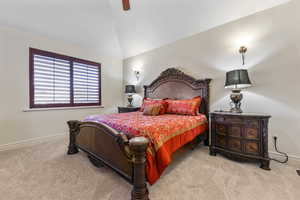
<point>97,163</point>
<point>74,130</point>
<point>138,147</point>
<point>206,141</point>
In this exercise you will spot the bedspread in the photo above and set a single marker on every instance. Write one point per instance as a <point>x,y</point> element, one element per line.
<point>166,133</point>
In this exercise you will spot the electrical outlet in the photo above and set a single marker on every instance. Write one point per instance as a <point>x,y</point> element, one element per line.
<point>298,172</point>
<point>275,138</point>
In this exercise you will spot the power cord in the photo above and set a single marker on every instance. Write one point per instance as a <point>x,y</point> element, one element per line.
<point>282,153</point>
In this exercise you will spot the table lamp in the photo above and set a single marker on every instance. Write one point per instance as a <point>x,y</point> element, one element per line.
<point>130,90</point>
<point>236,80</point>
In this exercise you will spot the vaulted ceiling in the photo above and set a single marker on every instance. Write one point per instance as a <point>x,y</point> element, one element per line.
<point>103,23</point>
<point>84,22</point>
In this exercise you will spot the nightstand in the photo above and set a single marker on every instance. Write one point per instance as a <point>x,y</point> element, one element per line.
<point>241,136</point>
<point>127,109</point>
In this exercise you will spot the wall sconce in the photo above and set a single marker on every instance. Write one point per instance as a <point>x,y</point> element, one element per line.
<point>243,51</point>
<point>137,74</point>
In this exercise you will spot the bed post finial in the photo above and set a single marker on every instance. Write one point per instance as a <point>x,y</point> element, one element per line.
<point>74,130</point>
<point>138,146</point>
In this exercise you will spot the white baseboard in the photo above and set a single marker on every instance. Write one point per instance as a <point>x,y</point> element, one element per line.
<point>290,156</point>
<point>293,159</point>
<point>30,142</point>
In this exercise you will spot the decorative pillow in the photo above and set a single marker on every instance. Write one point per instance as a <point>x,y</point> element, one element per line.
<point>184,107</point>
<point>148,101</point>
<point>153,109</point>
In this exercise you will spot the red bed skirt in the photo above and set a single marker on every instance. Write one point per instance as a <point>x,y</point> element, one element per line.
<point>163,157</point>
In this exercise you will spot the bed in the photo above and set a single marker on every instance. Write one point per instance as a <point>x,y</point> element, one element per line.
<point>140,147</point>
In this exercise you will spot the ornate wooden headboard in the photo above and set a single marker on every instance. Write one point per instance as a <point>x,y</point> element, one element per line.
<point>174,84</point>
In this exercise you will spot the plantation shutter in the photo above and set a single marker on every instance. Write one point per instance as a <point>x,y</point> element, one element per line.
<point>86,83</point>
<point>61,81</point>
<point>51,80</point>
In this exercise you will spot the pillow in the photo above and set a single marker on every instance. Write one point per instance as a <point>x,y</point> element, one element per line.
<point>152,110</point>
<point>148,101</point>
<point>184,107</point>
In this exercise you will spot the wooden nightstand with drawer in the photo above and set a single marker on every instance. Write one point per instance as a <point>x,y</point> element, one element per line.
<point>240,136</point>
<point>128,109</point>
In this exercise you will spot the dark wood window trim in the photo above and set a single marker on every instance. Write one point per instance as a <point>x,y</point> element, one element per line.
<point>33,52</point>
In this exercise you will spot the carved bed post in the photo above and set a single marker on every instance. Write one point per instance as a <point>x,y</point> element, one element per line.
<point>74,130</point>
<point>138,146</point>
<point>207,82</point>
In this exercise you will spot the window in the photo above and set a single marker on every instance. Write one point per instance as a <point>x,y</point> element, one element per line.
<point>63,81</point>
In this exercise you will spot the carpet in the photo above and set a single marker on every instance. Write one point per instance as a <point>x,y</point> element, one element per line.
<point>45,172</point>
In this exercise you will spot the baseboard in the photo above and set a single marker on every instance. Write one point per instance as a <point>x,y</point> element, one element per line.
<point>30,142</point>
<point>293,159</point>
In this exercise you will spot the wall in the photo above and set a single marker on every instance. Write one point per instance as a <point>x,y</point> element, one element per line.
<point>16,125</point>
<point>273,61</point>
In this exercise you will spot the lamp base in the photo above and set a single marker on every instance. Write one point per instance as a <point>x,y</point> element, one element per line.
<point>236,110</point>
<point>130,99</point>
<point>236,98</point>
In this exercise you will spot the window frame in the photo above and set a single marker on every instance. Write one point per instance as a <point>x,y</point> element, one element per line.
<point>32,52</point>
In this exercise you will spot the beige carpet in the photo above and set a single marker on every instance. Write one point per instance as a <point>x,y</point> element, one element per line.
<point>45,172</point>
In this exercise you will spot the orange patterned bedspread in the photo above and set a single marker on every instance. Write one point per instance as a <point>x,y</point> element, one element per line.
<point>166,133</point>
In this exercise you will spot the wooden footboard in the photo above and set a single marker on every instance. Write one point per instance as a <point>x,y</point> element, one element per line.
<point>106,146</point>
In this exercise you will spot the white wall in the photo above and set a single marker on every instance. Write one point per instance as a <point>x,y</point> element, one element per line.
<point>16,125</point>
<point>273,60</point>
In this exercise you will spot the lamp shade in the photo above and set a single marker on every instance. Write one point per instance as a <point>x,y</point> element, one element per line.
<point>129,89</point>
<point>237,79</point>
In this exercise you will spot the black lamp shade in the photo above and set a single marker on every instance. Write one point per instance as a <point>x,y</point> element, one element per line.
<point>237,79</point>
<point>130,89</point>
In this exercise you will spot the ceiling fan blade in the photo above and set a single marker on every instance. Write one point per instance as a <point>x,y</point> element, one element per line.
<point>126,5</point>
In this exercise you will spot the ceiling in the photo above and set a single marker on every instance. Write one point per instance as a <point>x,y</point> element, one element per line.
<point>103,23</point>
<point>153,23</point>
<point>84,22</point>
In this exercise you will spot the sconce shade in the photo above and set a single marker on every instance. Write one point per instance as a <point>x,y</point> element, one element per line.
<point>237,79</point>
<point>130,89</point>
